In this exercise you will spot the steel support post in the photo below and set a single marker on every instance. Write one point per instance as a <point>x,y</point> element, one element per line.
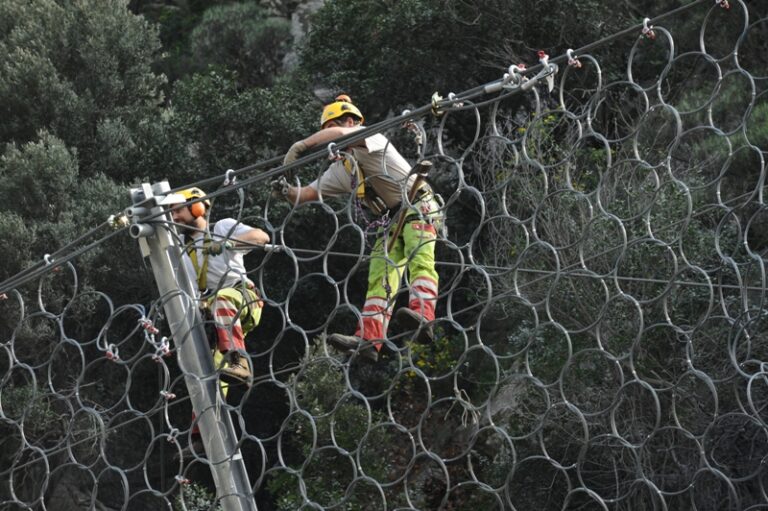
<point>178,292</point>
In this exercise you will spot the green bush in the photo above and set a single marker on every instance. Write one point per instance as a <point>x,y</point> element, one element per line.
<point>195,497</point>
<point>30,404</point>
<point>80,70</point>
<point>240,37</point>
<point>319,389</point>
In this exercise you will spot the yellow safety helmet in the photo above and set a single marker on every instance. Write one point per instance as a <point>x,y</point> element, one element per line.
<point>342,106</point>
<point>197,208</point>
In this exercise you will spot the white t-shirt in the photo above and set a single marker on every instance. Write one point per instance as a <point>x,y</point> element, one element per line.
<point>385,171</point>
<point>228,268</point>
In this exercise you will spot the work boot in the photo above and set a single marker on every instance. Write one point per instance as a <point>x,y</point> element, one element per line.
<point>236,368</point>
<point>194,449</point>
<point>411,320</point>
<point>350,343</point>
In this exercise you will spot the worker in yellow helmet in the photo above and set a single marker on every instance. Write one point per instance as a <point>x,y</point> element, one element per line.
<point>380,178</point>
<point>216,252</point>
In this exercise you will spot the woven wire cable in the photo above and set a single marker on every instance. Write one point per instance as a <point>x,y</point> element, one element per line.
<point>600,333</point>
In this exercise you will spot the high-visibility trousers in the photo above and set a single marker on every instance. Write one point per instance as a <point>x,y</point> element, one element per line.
<point>235,312</point>
<point>414,250</point>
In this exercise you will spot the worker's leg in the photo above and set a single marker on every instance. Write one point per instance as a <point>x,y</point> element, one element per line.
<point>235,312</point>
<point>383,283</point>
<point>226,308</point>
<point>419,237</point>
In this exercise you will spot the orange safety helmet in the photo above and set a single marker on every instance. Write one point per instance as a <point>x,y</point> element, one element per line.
<point>342,106</point>
<point>198,208</point>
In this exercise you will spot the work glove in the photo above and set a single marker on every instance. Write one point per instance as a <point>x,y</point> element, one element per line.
<point>280,188</point>
<point>294,152</point>
<point>218,247</point>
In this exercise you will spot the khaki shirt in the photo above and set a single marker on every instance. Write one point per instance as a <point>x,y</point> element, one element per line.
<point>385,171</point>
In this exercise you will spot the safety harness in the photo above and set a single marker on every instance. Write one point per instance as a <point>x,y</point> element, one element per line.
<point>368,196</point>
<point>357,177</point>
<point>201,270</point>
<point>365,194</point>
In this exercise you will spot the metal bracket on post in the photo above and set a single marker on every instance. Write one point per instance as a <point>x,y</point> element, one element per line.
<point>158,241</point>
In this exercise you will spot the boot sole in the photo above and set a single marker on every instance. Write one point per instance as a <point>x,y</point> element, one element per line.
<point>340,346</point>
<point>236,380</point>
<point>352,350</point>
<point>411,324</point>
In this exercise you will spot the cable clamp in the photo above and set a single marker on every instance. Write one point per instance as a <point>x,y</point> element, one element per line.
<point>454,99</point>
<point>172,435</point>
<point>414,128</point>
<point>515,73</point>
<point>112,353</point>
<point>147,325</point>
<point>436,99</point>
<point>549,69</point>
<point>723,3</point>
<point>118,222</point>
<point>513,78</point>
<point>168,396</point>
<point>182,480</point>
<point>162,350</point>
<point>333,152</point>
<point>573,60</point>
<point>408,123</point>
<point>648,30</point>
<point>49,261</point>
<point>229,177</point>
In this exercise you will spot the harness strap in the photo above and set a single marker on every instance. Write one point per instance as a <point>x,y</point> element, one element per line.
<point>356,173</point>
<point>201,270</point>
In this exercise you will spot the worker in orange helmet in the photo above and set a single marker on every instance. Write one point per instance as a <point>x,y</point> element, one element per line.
<point>380,178</point>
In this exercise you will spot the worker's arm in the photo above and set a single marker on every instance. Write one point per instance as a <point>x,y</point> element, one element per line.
<point>319,139</point>
<point>253,236</point>
<point>282,189</point>
<point>229,234</point>
<point>323,137</point>
<point>303,193</point>
<point>238,234</point>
